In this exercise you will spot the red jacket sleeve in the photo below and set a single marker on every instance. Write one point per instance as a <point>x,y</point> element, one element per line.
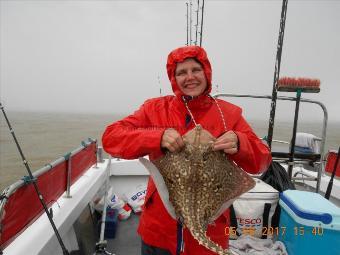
<point>133,136</point>
<point>253,155</point>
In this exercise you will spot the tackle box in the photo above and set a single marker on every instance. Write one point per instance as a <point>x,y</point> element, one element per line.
<point>309,223</point>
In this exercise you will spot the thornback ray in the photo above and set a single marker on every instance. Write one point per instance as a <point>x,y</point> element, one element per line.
<point>199,183</point>
<point>160,185</point>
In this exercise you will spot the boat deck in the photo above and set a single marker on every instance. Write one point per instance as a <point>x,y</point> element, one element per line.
<point>82,237</point>
<point>126,241</point>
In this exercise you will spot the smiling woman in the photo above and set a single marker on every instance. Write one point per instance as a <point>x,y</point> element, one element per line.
<point>171,117</point>
<point>190,77</point>
<point>89,56</point>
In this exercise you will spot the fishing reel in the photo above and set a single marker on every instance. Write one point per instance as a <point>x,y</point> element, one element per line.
<point>101,249</point>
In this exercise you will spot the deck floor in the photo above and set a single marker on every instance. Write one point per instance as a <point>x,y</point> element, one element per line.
<point>126,241</point>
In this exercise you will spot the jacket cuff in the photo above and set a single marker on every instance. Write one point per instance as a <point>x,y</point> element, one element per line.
<point>157,151</point>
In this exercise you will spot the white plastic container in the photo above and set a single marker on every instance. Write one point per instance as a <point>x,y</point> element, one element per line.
<point>250,210</point>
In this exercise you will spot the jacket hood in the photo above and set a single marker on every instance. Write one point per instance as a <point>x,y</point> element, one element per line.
<point>179,55</point>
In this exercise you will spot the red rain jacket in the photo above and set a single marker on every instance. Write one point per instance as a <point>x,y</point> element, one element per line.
<point>140,134</point>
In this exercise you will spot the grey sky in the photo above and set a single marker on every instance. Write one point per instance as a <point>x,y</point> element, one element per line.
<point>106,56</point>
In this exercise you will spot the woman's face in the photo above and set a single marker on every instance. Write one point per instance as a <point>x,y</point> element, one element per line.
<point>190,77</point>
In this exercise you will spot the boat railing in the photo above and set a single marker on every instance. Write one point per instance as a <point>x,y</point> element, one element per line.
<point>53,180</point>
<point>319,159</point>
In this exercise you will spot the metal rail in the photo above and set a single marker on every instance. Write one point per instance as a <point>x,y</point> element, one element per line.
<point>320,167</point>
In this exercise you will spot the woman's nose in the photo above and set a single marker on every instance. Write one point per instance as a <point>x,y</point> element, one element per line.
<point>190,75</point>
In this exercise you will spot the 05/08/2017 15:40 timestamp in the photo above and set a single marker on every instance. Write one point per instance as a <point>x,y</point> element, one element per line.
<point>270,231</point>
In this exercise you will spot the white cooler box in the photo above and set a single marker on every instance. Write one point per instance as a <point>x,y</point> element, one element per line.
<point>253,211</point>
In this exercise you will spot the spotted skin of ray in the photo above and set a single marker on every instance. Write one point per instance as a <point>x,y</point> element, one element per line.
<point>202,184</point>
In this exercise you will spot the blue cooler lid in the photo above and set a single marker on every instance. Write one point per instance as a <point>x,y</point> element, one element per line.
<point>310,209</point>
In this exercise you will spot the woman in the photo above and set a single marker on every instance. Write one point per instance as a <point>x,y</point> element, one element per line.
<point>159,124</point>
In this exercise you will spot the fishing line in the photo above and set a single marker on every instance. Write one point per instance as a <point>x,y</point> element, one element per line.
<point>33,181</point>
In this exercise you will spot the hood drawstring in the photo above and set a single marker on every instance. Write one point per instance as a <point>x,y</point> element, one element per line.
<point>185,100</point>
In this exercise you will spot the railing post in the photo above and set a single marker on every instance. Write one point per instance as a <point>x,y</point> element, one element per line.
<point>318,166</point>
<point>100,158</point>
<point>69,171</point>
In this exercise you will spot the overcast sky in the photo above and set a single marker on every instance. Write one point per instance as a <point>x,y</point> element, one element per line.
<point>106,56</point>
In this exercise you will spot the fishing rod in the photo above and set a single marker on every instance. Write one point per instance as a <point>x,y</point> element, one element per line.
<point>102,243</point>
<point>33,180</point>
<point>201,33</point>
<point>187,24</point>
<point>190,26</point>
<point>198,9</point>
<point>160,87</point>
<point>277,71</point>
<point>330,184</point>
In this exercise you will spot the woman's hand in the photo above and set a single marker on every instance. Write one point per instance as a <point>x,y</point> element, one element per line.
<point>172,140</point>
<point>228,142</point>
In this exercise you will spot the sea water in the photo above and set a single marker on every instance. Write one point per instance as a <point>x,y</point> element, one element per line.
<point>45,137</point>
